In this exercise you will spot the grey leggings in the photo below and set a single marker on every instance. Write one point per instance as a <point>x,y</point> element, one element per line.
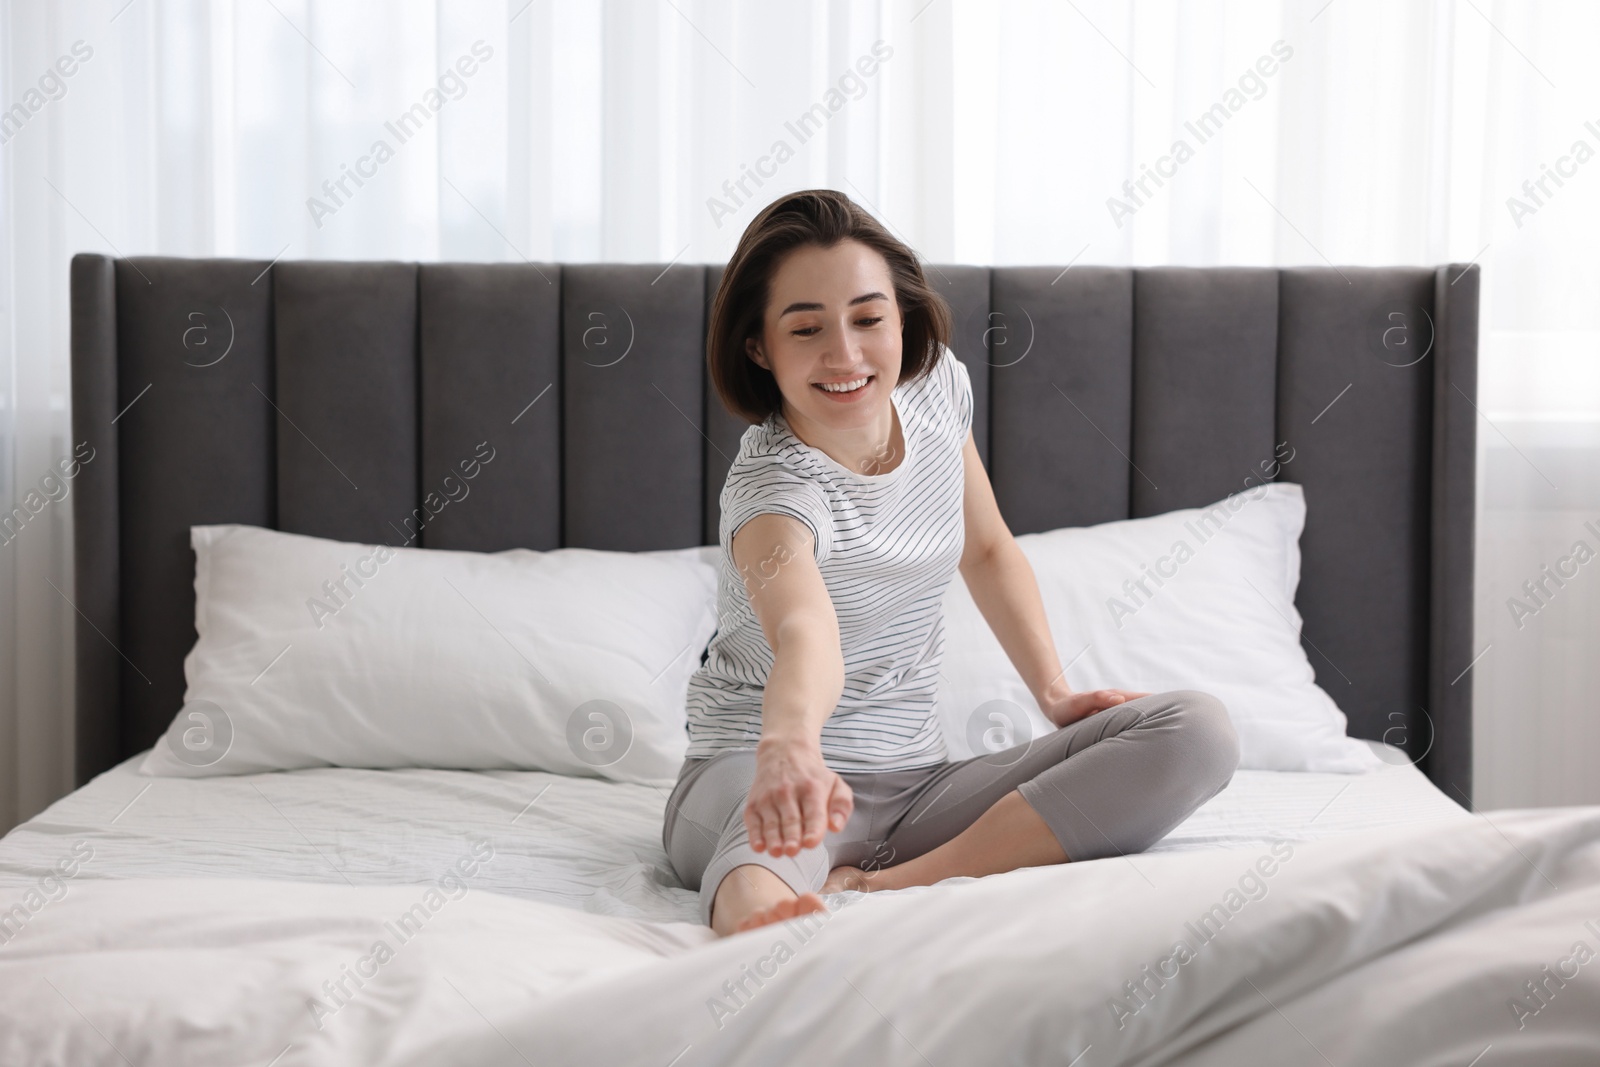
<point>1113,783</point>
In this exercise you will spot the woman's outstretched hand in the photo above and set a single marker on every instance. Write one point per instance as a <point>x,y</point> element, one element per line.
<point>795,798</point>
<point>1074,706</point>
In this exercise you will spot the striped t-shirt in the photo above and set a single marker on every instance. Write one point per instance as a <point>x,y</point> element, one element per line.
<point>887,546</point>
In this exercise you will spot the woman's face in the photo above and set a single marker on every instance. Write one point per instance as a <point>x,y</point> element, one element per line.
<point>831,317</point>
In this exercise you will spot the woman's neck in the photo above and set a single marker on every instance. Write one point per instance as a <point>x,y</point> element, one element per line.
<point>875,448</point>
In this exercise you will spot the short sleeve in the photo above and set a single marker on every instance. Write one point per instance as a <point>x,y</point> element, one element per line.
<point>763,485</point>
<point>960,383</point>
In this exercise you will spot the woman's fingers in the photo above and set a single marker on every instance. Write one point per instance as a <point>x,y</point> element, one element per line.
<point>813,815</point>
<point>1086,704</point>
<point>789,819</point>
<point>1092,701</point>
<point>752,826</point>
<point>771,826</point>
<point>840,804</point>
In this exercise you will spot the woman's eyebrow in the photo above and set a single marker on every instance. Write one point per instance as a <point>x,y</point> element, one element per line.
<point>812,306</point>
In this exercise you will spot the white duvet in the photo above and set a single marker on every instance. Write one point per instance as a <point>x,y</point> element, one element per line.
<point>1465,941</point>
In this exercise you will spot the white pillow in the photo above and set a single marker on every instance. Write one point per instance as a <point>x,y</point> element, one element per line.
<point>1217,615</point>
<point>314,652</point>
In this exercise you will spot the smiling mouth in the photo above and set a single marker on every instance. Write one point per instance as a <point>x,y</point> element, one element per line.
<point>846,387</point>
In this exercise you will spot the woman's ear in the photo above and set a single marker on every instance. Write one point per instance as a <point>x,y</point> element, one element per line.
<point>753,350</point>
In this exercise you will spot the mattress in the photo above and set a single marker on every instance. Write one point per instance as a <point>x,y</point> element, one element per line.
<point>580,843</point>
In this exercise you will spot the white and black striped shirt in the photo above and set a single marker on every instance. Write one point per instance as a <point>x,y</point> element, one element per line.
<point>887,546</point>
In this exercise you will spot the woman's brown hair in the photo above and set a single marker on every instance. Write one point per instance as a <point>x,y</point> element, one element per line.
<point>821,217</point>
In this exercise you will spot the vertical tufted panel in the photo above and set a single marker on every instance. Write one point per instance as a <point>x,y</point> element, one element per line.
<point>345,403</point>
<point>1455,428</point>
<point>490,337</point>
<point>966,290</point>
<point>1062,395</point>
<point>1204,384</point>
<point>97,564</point>
<point>633,371</point>
<point>194,447</point>
<point>723,431</point>
<point>1360,424</point>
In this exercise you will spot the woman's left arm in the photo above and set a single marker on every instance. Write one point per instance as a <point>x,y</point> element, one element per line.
<point>1003,586</point>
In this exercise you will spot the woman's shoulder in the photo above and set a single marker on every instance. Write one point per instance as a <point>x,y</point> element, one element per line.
<point>949,386</point>
<point>771,473</point>
<point>767,445</point>
<point>769,458</point>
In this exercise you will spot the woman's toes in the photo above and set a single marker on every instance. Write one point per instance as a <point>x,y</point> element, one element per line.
<point>784,909</point>
<point>805,904</point>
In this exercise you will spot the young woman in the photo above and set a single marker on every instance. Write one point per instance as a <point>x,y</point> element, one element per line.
<point>815,759</point>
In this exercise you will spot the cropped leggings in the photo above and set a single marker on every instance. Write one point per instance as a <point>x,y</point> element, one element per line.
<point>1113,783</point>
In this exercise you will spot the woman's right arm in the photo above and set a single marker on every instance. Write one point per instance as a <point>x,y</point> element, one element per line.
<point>795,798</point>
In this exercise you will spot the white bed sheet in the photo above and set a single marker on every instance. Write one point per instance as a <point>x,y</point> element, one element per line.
<point>580,843</point>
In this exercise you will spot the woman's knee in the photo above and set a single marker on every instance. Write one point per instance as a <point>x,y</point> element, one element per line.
<point>700,810</point>
<point>1211,743</point>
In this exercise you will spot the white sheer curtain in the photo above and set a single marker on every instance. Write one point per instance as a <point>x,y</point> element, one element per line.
<point>1351,132</point>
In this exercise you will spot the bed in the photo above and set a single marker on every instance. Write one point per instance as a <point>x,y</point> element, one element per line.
<point>237,919</point>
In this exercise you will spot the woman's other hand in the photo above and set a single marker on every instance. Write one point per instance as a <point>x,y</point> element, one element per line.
<point>1068,709</point>
<point>795,798</point>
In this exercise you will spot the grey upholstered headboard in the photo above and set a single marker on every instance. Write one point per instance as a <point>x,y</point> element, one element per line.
<point>333,398</point>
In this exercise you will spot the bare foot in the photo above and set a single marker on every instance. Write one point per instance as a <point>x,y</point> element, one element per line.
<point>841,879</point>
<point>783,909</point>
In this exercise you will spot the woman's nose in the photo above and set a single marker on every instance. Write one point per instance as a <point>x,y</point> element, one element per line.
<point>841,352</point>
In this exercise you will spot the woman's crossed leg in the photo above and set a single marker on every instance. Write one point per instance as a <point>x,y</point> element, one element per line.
<point>1112,783</point>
